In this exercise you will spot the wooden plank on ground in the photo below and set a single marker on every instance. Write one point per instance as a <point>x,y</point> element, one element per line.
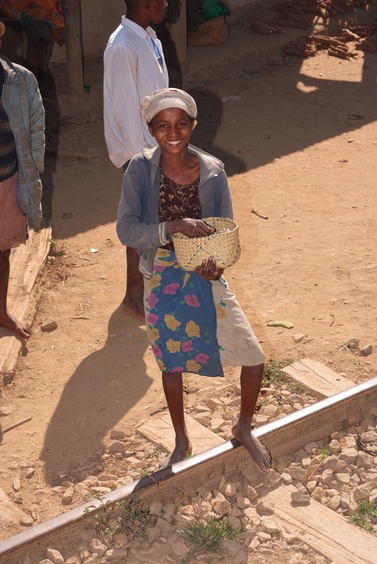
<point>324,530</point>
<point>26,269</point>
<point>316,377</point>
<point>159,430</point>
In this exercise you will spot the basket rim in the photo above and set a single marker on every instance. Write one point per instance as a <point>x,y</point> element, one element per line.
<point>179,235</point>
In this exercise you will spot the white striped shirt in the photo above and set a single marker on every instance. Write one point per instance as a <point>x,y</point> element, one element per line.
<point>131,71</point>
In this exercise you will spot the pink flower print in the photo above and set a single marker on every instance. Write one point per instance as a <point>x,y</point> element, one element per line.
<point>187,346</point>
<point>202,358</point>
<point>159,268</point>
<point>192,301</point>
<point>177,369</point>
<point>156,351</point>
<point>152,318</point>
<point>171,289</point>
<point>152,300</point>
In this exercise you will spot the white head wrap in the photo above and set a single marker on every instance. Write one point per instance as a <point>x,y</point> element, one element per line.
<point>164,99</point>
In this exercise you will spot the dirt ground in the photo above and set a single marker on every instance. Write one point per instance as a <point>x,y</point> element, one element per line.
<point>299,142</point>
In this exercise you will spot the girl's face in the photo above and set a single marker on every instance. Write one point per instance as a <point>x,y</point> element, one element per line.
<point>172,129</point>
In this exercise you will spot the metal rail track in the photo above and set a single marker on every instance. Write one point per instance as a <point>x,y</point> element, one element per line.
<point>283,436</point>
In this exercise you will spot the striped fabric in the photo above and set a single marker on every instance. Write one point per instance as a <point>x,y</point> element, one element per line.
<point>8,155</point>
<point>131,71</point>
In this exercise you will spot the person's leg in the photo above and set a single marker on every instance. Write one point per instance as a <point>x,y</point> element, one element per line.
<point>133,300</point>
<point>20,328</point>
<point>173,388</point>
<point>251,381</point>
<point>40,47</point>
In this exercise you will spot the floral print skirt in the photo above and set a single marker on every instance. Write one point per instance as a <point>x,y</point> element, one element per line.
<point>194,325</point>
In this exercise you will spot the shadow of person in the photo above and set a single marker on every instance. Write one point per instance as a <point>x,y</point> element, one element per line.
<point>210,110</point>
<point>52,109</point>
<point>103,388</point>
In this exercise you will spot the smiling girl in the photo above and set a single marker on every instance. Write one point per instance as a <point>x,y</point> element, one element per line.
<point>194,323</point>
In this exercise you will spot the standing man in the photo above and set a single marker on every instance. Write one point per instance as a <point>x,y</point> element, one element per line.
<point>134,67</point>
<point>22,144</point>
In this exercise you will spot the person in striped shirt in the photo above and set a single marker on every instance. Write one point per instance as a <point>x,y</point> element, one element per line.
<point>134,67</point>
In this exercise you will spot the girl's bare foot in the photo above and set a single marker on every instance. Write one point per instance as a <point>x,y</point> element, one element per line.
<point>17,326</point>
<point>179,453</point>
<point>259,454</point>
<point>134,308</point>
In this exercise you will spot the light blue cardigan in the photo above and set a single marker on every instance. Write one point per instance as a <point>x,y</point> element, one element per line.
<point>138,223</point>
<point>23,105</point>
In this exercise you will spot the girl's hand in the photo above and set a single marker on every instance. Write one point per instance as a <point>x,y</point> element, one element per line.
<point>190,227</point>
<point>208,269</point>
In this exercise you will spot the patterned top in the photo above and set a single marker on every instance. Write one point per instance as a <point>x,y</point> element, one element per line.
<point>8,155</point>
<point>178,201</point>
<point>26,11</point>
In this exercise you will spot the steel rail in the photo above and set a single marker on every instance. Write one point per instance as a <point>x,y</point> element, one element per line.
<point>282,436</point>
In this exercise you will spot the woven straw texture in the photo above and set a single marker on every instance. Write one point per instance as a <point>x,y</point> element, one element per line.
<point>223,247</point>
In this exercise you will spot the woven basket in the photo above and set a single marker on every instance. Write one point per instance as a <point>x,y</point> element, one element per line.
<point>223,247</point>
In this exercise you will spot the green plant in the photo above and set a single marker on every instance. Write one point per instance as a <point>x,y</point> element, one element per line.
<point>366,516</point>
<point>100,519</point>
<point>57,248</point>
<point>133,518</point>
<point>324,452</point>
<point>274,375</point>
<point>205,537</point>
<point>173,519</point>
<point>273,371</point>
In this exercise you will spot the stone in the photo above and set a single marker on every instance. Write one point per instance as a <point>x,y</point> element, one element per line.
<point>251,493</point>
<point>366,351</point>
<point>270,526</point>
<point>334,502</point>
<point>230,489</point>
<point>116,434</point>
<point>348,455</point>
<point>117,446</point>
<point>16,484</point>
<point>301,496</point>
<point>27,521</point>
<point>97,547</point>
<point>361,493</point>
<point>265,507</point>
<point>68,496</point>
<point>49,325</point>
<point>333,463</point>
<point>55,556</point>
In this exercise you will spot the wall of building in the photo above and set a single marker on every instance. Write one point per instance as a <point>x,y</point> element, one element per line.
<point>101,17</point>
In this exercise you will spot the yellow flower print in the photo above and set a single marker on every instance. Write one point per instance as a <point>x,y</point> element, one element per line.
<point>155,281</point>
<point>161,365</point>
<point>173,346</point>
<point>192,366</point>
<point>192,329</point>
<point>220,312</point>
<point>171,322</point>
<point>154,335</point>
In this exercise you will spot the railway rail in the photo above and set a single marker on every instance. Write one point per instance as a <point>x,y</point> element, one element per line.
<point>282,436</point>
